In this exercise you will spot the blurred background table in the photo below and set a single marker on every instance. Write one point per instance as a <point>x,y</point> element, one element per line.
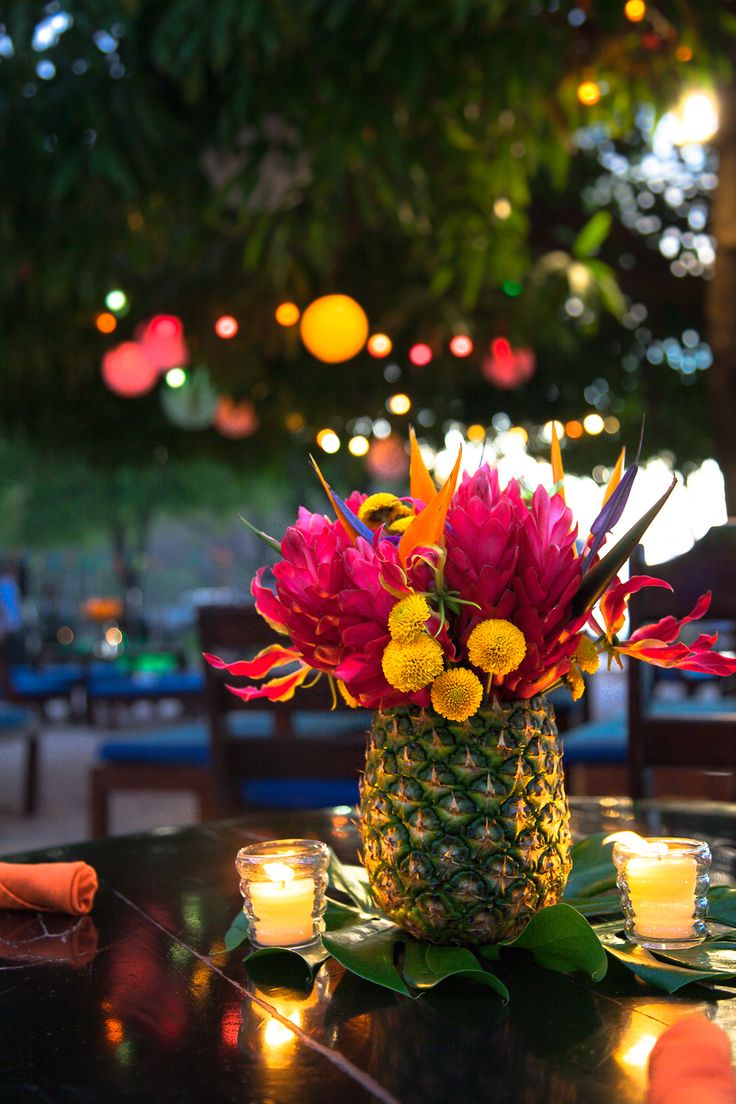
<point>139,1002</point>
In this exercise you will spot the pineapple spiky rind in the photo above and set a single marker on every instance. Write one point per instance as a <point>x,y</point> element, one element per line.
<point>465,825</point>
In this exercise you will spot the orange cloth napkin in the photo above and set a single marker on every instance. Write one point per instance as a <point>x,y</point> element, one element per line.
<point>691,1064</point>
<point>48,887</point>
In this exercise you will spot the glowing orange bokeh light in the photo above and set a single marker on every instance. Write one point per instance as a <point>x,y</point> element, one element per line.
<point>684,53</point>
<point>287,314</point>
<point>379,345</point>
<point>574,430</point>
<point>226,327</point>
<point>106,322</point>
<point>334,328</point>
<point>589,93</point>
<point>635,10</point>
<point>420,355</point>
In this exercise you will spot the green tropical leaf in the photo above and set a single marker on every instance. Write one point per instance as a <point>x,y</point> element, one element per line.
<point>281,966</point>
<point>722,905</point>
<point>662,975</point>
<point>592,871</point>
<point>560,939</point>
<point>369,950</point>
<point>426,965</point>
<point>238,931</point>
<point>270,541</point>
<point>353,881</point>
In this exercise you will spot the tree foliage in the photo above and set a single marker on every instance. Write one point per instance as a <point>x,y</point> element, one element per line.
<point>221,157</point>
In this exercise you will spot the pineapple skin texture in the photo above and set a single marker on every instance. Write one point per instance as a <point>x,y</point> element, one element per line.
<point>465,826</point>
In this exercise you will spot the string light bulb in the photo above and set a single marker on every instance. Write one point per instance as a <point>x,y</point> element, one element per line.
<point>328,440</point>
<point>176,377</point>
<point>379,345</point>
<point>399,403</point>
<point>420,355</point>
<point>226,327</point>
<point>635,10</point>
<point>116,300</point>
<point>461,346</point>
<point>106,323</point>
<point>358,445</point>
<point>589,93</point>
<point>287,314</point>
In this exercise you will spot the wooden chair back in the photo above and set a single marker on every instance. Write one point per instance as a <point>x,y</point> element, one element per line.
<point>697,737</point>
<point>233,632</point>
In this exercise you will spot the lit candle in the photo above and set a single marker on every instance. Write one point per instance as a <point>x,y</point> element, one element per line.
<point>282,908</point>
<point>663,884</point>
<point>283,885</point>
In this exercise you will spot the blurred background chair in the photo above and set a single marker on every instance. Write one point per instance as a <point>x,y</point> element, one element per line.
<point>300,754</point>
<point>682,726</point>
<point>19,722</point>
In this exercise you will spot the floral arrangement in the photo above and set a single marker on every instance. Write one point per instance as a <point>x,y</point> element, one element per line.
<point>457,597</point>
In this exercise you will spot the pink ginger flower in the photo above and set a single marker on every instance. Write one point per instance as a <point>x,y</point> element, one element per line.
<point>518,562</point>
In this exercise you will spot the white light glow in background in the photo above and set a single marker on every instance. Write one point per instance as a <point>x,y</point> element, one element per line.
<point>693,507</point>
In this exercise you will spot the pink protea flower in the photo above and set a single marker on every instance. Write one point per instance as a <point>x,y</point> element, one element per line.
<point>518,562</point>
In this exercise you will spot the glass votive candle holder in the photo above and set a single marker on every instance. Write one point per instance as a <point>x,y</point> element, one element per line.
<point>283,883</point>
<point>663,883</point>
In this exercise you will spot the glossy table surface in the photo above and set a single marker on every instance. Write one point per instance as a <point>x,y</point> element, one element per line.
<point>139,1002</point>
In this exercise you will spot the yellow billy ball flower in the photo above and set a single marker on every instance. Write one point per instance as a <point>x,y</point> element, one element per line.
<point>496,646</point>
<point>400,525</point>
<point>575,683</point>
<point>383,509</point>
<point>410,667</point>
<point>586,656</point>
<point>457,694</point>
<point>408,618</point>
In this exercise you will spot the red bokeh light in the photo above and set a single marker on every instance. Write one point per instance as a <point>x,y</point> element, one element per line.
<point>235,420</point>
<point>162,341</point>
<point>420,355</point>
<point>507,367</point>
<point>226,326</point>
<point>461,346</point>
<point>127,370</point>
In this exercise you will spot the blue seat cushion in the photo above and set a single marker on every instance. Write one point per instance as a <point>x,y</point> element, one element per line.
<point>144,683</point>
<point>184,745</point>
<point>26,681</point>
<point>306,723</point>
<point>300,793</point>
<point>603,741</point>
<point>13,716</point>
<point>697,707</point>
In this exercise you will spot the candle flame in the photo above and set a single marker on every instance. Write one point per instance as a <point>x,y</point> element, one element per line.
<point>279,872</point>
<point>637,843</point>
<point>276,1034</point>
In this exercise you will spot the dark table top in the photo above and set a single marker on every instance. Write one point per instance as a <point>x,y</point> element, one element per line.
<point>139,1002</point>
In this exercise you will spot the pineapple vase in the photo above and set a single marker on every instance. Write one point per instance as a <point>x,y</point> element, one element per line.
<point>465,826</point>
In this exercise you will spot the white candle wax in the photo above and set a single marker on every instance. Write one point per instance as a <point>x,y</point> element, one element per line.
<point>283,908</point>
<point>662,894</point>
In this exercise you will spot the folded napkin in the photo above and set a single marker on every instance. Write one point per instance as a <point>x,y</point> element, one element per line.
<point>691,1064</point>
<point>48,887</point>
